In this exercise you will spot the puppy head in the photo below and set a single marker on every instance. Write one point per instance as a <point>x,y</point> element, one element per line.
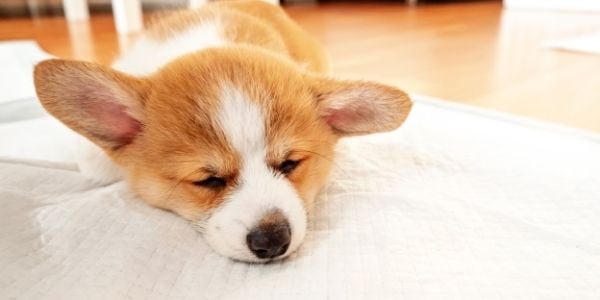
<point>235,140</point>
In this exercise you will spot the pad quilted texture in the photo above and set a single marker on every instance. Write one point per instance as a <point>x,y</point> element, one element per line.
<point>456,204</point>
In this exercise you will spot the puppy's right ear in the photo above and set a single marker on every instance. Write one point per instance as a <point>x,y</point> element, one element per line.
<point>104,105</point>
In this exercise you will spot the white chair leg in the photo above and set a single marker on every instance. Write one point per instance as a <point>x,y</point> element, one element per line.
<point>126,41</point>
<point>76,10</point>
<point>196,3</point>
<point>82,43</point>
<point>128,15</point>
<point>274,2</point>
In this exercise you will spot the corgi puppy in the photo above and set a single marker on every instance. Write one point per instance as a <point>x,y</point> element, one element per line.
<point>223,115</point>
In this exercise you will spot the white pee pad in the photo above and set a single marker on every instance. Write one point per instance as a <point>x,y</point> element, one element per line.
<point>456,204</point>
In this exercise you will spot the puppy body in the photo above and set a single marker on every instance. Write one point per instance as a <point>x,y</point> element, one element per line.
<point>223,116</point>
<point>222,24</point>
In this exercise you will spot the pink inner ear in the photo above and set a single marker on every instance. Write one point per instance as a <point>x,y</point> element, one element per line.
<point>338,117</point>
<point>350,117</point>
<point>113,122</point>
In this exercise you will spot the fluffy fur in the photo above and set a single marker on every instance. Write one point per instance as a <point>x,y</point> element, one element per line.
<point>231,91</point>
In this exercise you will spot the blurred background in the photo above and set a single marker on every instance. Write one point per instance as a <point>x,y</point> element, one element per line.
<point>535,58</point>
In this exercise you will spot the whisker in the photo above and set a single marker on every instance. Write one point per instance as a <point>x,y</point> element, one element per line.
<point>330,159</point>
<point>315,153</point>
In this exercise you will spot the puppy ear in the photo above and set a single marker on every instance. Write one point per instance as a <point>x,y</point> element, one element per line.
<point>358,107</point>
<point>104,105</point>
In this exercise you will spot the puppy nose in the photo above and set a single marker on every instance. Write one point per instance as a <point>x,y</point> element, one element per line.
<point>269,240</point>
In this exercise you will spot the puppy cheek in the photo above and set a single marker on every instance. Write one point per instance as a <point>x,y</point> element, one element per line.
<point>162,193</point>
<point>225,233</point>
<point>313,182</point>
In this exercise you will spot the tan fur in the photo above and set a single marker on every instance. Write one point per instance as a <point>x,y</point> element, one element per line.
<point>252,23</point>
<point>180,140</point>
<point>272,218</point>
<point>294,128</point>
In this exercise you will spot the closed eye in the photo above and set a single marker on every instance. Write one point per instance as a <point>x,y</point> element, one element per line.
<point>288,166</point>
<point>211,182</point>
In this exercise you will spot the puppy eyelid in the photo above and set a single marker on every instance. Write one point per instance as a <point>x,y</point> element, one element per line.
<point>211,182</point>
<point>288,166</point>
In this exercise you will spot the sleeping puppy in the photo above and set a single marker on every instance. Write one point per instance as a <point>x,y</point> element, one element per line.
<point>222,115</point>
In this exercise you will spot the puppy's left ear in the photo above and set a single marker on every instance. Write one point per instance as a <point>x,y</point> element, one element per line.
<point>359,107</point>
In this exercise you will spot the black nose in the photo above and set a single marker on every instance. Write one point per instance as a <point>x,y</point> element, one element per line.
<point>270,240</point>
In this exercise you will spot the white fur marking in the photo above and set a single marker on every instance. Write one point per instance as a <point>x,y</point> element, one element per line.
<point>260,190</point>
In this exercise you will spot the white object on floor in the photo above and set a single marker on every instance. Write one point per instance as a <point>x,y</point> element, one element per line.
<point>42,138</point>
<point>17,59</point>
<point>458,203</point>
<point>589,43</point>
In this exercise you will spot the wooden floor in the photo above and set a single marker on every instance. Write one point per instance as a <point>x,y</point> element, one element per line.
<point>474,53</point>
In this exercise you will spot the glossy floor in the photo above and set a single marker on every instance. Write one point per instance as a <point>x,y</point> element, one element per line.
<point>474,53</point>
